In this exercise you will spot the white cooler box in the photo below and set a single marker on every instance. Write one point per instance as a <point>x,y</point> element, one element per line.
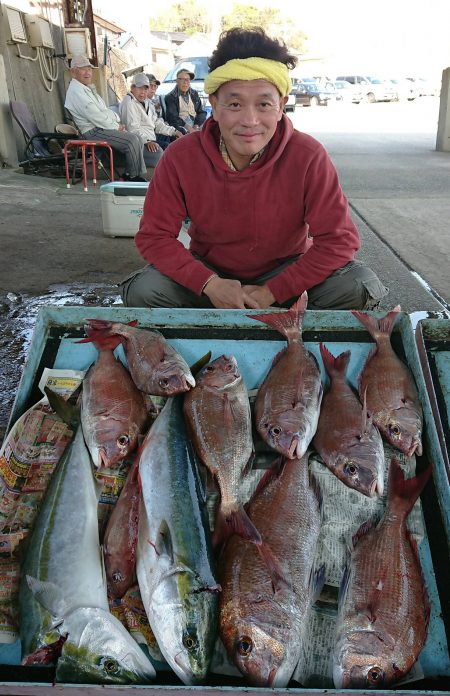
<point>122,206</point>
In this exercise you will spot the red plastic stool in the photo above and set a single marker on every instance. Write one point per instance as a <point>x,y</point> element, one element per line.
<point>83,144</point>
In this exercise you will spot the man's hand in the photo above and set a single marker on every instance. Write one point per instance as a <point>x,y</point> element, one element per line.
<point>121,127</point>
<point>178,134</point>
<point>229,294</point>
<point>260,293</point>
<point>152,146</point>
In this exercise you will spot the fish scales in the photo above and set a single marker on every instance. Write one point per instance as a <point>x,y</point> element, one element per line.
<point>113,412</point>
<point>384,609</point>
<point>389,387</point>
<point>62,598</point>
<point>262,621</point>
<point>155,366</point>
<point>174,557</point>
<point>217,412</point>
<point>288,401</point>
<point>346,439</point>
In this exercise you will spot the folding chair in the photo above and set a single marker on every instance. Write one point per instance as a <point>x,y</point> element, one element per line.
<point>102,159</point>
<point>43,151</point>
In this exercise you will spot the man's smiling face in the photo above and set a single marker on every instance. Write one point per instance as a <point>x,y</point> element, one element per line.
<point>247,112</point>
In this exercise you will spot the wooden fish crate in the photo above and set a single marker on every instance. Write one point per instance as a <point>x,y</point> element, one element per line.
<point>194,333</point>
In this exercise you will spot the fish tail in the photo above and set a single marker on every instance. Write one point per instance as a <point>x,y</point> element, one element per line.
<point>378,327</point>
<point>234,521</point>
<point>99,332</point>
<point>334,365</point>
<point>403,493</point>
<point>288,323</point>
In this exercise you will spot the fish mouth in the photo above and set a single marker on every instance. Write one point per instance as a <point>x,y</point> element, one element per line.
<point>378,487</point>
<point>190,380</point>
<point>416,448</point>
<point>294,449</point>
<point>103,458</point>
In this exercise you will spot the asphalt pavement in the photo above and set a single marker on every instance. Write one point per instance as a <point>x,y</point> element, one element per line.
<point>54,251</point>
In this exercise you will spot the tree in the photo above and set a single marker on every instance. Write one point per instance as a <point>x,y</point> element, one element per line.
<point>188,17</point>
<point>271,20</point>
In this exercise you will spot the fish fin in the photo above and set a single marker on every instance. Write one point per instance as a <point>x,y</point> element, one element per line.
<point>345,581</point>
<point>101,340</point>
<point>403,493</point>
<point>366,419</point>
<point>50,597</point>
<point>271,473</point>
<point>163,544</point>
<point>46,654</point>
<point>68,413</point>
<point>278,356</point>
<point>317,581</point>
<point>334,365</point>
<point>426,597</point>
<point>232,522</point>
<point>288,323</point>
<point>275,569</point>
<point>363,530</point>
<point>374,597</point>
<point>201,362</point>
<point>315,485</point>
<point>248,467</point>
<point>377,327</point>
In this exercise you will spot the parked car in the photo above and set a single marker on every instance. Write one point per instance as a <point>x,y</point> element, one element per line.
<point>348,93</point>
<point>291,102</point>
<point>406,89</point>
<point>311,93</point>
<point>374,89</point>
<point>425,87</point>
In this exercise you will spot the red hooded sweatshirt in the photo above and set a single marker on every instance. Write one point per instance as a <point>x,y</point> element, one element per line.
<point>247,223</point>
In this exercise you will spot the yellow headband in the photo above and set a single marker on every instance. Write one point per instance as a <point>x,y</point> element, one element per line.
<point>250,69</point>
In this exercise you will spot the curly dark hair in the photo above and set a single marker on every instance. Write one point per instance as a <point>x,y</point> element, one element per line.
<point>249,43</point>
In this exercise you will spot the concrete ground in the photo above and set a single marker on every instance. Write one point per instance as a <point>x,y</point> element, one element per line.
<point>53,249</point>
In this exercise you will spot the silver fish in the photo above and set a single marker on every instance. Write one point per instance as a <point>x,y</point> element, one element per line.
<point>63,590</point>
<point>174,559</point>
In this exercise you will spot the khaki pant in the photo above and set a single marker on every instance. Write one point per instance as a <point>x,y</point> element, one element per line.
<point>355,286</point>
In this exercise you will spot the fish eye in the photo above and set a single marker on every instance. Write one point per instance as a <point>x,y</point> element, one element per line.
<point>244,646</point>
<point>110,665</point>
<point>209,368</point>
<point>117,576</point>
<point>123,440</point>
<point>163,382</point>
<point>189,641</point>
<point>394,430</point>
<point>351,469</point>
<point>275,431</point>
<point>375,675</point>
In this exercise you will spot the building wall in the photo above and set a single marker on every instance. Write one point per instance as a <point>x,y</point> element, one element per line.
<point>25,82</point>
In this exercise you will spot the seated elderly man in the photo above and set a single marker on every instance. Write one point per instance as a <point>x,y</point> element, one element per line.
<point>184,108</point>
<point>96,122</point>
<point>139,116</point>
